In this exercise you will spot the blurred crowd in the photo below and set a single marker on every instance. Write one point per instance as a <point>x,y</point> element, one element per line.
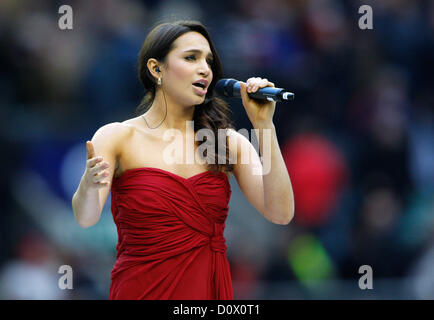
<point>358,141</point>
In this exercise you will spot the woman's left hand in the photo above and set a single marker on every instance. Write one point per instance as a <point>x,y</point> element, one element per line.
<point>260,112</point>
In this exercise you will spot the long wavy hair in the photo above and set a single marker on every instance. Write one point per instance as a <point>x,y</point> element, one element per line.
<point>213,113</point>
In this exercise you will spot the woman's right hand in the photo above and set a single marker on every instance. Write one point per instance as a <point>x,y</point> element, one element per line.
<point>95,173</point>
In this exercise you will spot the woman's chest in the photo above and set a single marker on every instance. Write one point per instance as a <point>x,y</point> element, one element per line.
<point>176,154</point>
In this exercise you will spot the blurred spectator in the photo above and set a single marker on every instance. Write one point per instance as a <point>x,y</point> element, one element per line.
<point>33,272</point>
<point>318,172</point>
<point>375,241</point>
<point>421,277</point>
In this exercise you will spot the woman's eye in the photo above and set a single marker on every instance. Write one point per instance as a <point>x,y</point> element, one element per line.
<point>210,62</point>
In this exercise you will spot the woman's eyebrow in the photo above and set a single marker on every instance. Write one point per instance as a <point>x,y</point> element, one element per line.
<point>199,51</point>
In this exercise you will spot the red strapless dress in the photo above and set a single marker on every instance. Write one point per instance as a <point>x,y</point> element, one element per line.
<point>170,236</point>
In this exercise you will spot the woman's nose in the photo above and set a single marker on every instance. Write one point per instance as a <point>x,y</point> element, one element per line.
<point>205,69</point>
<point>204,72</point>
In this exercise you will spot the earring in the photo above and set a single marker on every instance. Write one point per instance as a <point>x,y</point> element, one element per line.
<point>159,81</point>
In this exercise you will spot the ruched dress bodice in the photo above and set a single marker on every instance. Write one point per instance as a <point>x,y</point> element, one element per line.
<point>170,236</point>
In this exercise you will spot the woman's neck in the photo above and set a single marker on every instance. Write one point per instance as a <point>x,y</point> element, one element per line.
<point>176,117</point>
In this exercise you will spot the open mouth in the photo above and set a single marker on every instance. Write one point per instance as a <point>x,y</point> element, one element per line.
<point>200,88</point>
<point>200,85</point>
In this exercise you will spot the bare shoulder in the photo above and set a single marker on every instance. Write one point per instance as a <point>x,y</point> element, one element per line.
<point>244,153</point>
<point>231,133</point>
<point>110,137</point>
<point>112,133</point>
<point>108,142</point>
<point>237,141</point>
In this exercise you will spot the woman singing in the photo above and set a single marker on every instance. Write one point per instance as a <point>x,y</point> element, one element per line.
<point>170,212</point>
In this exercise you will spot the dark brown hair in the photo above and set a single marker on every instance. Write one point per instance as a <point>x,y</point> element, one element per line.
<point>213,113</point>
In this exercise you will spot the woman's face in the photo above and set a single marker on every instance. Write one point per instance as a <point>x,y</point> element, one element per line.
<point>189,61</point>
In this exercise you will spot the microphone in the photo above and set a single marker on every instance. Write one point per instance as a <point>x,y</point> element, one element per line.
<point>231,88</point>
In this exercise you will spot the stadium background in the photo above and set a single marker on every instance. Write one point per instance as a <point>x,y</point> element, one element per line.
<point>358,141</point>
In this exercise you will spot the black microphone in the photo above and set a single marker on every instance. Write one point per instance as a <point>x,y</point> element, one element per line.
<point>231,88</point>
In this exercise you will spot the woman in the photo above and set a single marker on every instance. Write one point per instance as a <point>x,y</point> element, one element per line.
<point>170,215</point>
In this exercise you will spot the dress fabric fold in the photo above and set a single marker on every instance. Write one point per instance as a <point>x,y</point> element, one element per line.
<point>170,236</point>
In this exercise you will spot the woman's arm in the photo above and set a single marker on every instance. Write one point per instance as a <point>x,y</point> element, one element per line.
<point>91,195</point>
<point>86,205</point>
<point>266,185</point>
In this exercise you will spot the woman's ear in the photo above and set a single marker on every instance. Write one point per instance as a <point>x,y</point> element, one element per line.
<point>153,68</point>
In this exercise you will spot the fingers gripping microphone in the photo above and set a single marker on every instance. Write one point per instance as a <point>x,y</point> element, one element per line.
<point>231,88</point>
